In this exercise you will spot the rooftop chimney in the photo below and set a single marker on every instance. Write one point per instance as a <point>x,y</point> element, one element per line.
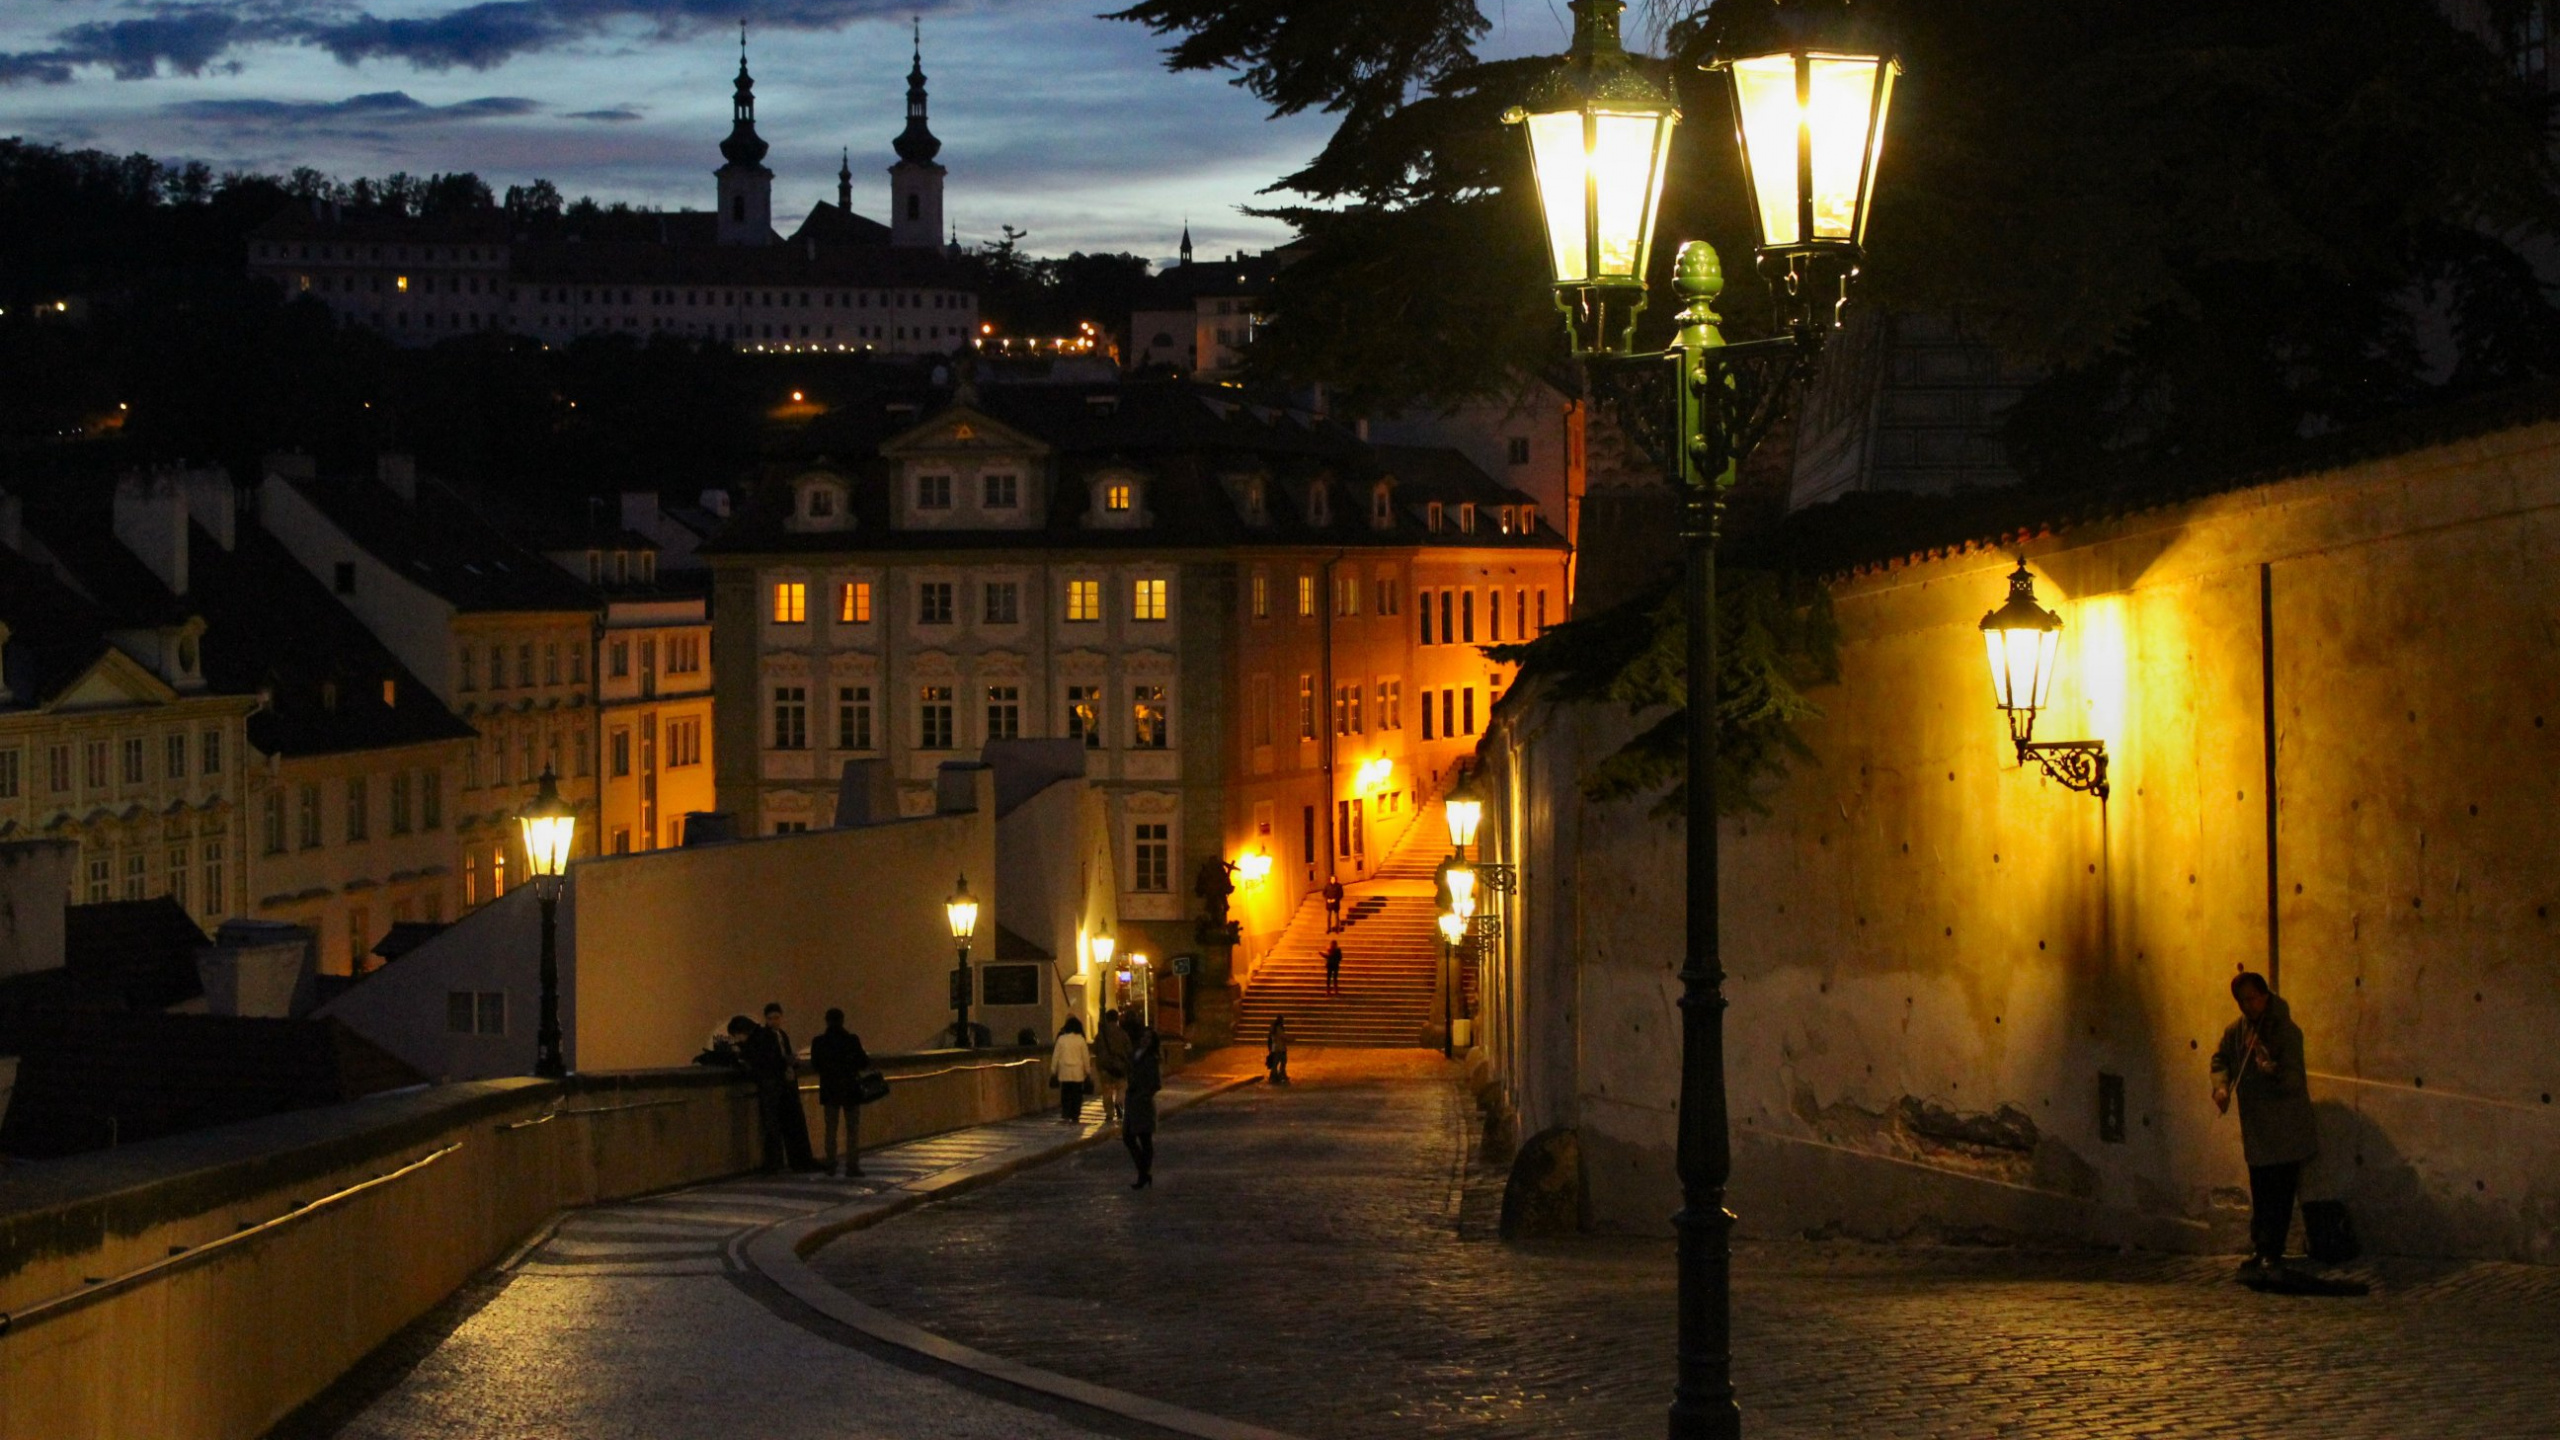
<point>151,521</point>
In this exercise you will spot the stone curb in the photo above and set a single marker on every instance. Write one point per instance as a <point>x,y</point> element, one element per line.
<point>779,1253</point>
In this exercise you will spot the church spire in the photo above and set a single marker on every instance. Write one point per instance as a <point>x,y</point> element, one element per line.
<point>844,183</point>
<point>916,142</point>
<point>744,146</point>
<point>1186,242</point>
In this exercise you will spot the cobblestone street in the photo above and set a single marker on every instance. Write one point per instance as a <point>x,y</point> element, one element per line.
<point>1318,1259</point>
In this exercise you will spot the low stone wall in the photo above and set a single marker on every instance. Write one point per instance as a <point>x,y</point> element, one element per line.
<point>202,1286</point>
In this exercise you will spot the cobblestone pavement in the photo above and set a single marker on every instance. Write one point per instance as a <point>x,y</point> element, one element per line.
<point>630,1321</point>
<point>1316,1259</point>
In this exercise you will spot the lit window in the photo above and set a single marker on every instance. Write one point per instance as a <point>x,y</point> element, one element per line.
<point>1084,600</point>
<point>401,284</point>
<point>1148,600</point>
<point>1147,718</point>
<point>853,602</point>
<point>790,603</point>
<point>1084,715</point>
<point>1115,497</point>
<point>1306,596</point>
<point>1261,599</point>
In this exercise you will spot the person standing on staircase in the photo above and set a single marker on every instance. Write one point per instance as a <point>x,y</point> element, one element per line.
<point>1333,968</point>
<point>1332,904</point>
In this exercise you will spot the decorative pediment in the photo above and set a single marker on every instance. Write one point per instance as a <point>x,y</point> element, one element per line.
<point>1154,663</point>
<point>1081,662</point>
<point>1000,662</point>
<point>1153,802</point>
<point>962,429</point>
<point>112,681</point>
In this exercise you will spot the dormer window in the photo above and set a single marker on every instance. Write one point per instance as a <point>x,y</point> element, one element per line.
<point>1433,516</point>
<point>820,503</point>
<point>1118,496</point>
<point>1528,519</point>
<point>1382,509</point>
<point>1505,518</point>
<point>648,567</point>
<point>622,558</point>
<point>595,567</point>
<point>1256,511</point>
<point>1319,504</point>
<point>1466,517</point>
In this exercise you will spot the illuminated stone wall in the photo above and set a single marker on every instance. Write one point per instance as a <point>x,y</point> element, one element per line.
<point>1936,954</point>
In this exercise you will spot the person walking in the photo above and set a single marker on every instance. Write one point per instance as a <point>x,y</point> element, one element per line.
<point>2260,1061</point>
<point>1275,1054</point>
<point>1071,1065</point>
<point>1333,968</point>
<point>1111,1063</point>
<point>838,1057</point>
<point>1332,904</point>
<point>1138,1113</point>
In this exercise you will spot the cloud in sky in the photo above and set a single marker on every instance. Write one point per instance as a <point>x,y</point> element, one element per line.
<point>616,114</point>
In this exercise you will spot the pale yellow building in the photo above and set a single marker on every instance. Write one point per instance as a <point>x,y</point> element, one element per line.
<point>653,687</point>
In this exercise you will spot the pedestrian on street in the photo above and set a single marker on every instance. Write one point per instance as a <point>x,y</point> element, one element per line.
<point>776,1068</point>
<point>721,1050</point>
<point>1111,1063</point>
<point>1332,904</point>
<point>1275,1055</point>
<point>1333,968</point>
<point>838,1057</point>
<point>2261,1060</point>
<point>1071,1067</point>
<point>1138,1114</point>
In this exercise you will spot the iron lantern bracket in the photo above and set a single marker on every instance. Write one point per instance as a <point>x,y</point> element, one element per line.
<point>1499,877</point>
<point>1742,391</point>
<point>2078,764</point>
<point>1487,929</point>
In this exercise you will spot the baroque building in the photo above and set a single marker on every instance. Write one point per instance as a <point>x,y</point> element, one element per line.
<point>841,282</point>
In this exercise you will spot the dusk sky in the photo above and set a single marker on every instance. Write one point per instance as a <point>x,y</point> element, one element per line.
<point>1052,120</point>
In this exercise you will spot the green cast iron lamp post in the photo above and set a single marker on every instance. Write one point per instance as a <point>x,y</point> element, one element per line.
<point>961,910</point>
<point>1810,123</point>
<point>550,825</point>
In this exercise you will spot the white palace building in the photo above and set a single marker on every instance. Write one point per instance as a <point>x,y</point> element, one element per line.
<point>841,282</point>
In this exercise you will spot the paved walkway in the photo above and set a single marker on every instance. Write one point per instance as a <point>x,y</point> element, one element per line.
<point>1318,1260</point>
<point>645,1321</point>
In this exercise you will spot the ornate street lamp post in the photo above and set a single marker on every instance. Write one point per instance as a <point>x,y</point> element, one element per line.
<point>1810,122</point>
<point>2022,640</point>
<point>550,824</point>
<point>962,911</point>
<point>1453,929</point>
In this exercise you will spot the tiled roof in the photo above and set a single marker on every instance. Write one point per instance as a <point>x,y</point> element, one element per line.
<point>141,951</point>
<point>800,262</point>
<point>1186,440</point>
<point>89,1081</point>
<point>1871,531</point>
<point>55,634</point>
<point>272,627</point>
<point>443,544</point>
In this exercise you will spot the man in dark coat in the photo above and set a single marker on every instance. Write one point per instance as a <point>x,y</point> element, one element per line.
<point>2261,1060</point>
<point>1138,1113</point>
<point>1332,903</point>
<point>775,1065</point>
<point>838,1057</point>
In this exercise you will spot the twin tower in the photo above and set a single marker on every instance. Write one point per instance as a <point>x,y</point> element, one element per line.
<point>915,182</point>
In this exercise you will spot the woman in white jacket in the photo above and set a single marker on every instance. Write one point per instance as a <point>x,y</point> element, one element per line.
<point>1071,1064</point>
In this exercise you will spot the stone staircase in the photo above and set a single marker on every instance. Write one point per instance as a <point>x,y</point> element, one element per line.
<point>1390,956</point>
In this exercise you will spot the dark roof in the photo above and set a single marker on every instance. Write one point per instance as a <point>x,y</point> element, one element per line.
<point>141,951</point>
<point>1878,529</point>
<point>319,220</point>
<point>405,936</point>
<point>272,627</point>
<point>832,224</point>
<point>442,543</point>
<point>1187,440</point>
<point>90,1081</point>
<point>55,634</point>
<point>1176,288</point>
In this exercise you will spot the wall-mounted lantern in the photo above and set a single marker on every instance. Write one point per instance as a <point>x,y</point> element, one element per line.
<point>2022,640</point>
<point>1253,867</point>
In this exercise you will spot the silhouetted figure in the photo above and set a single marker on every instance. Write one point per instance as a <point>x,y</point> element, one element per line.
<point>1333,968</point>
<point>1071,1065</point>
<point>1332,904</point>
<point>838,1057</point>
<point>2261,1059</point>
<point>1138,1114</point>
<point>1275,1054</point>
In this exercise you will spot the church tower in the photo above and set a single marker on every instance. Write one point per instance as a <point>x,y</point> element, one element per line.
<point>746,187</point>
<point>844,183</point>
<point>915,182</point>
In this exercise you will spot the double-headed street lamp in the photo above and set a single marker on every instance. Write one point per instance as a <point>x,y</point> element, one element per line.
<point>962,911</point>
<point>550,825</point>
<point>1810,123</point>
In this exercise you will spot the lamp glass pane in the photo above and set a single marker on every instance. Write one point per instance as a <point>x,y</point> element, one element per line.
<point>1557,154</point>
<point>2022,665</point>
<point>1462,889</point>
<point>1103,945</point>
<point>1626,172</point>
<point>1464,817</point>
<point>1843,94</point>
<point>546,843</point>
<point>963,913</point>
<point>1765,89</point>
<point>2048,643</point>
<point>1452,927</point>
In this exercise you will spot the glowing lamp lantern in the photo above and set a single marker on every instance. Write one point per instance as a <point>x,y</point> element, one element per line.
<point>2021,639</point>
<point>1253,868</point>
<point>1811,124</point>
<point>1462,890</point>
<point>1599,144</point>
<point>550,825</point>
<point>1453,927</point>
<point>962,911</point>
<point>1102,945</point>
<point>1465,814</point>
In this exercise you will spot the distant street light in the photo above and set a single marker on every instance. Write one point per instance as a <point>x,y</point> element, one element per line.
<point>1810,121</point>
<point>1453,931</point>
<point>550,827</point>
<point>962,911</point>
